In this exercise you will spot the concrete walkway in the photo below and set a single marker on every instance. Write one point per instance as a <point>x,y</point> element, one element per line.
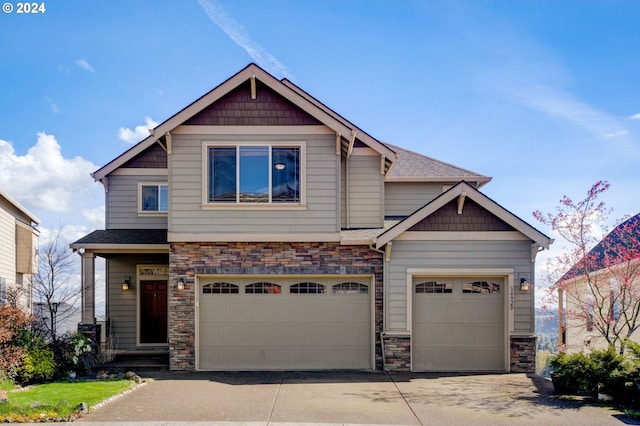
<point>351,398</point>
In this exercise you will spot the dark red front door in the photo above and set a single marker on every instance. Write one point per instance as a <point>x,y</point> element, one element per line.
<point>153,312</point>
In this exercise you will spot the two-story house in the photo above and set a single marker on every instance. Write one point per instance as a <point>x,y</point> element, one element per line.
<point>257,229</point>
<point>19,240</point>
<point>599,297</point>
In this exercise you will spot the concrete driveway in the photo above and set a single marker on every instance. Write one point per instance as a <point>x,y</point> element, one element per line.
<point>351,398</point>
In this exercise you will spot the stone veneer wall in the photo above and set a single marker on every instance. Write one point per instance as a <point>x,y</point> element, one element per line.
<point>397,352</point>
<point>523,354</point>
<point>187,260</point>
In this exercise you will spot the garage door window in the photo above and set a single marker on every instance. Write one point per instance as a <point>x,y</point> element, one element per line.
<point>482,287</point>
<point>350,288</point>
<point>220,288</point>
<point>263,288</point>
<point>307,288</point>
<point>434,287</point>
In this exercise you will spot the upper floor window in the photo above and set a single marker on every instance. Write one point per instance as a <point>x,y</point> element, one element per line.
<point>254,174</point>
<point>154,197</point>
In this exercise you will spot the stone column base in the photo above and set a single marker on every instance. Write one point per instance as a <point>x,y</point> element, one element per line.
<point>523,354</point>
<point>397,352</point>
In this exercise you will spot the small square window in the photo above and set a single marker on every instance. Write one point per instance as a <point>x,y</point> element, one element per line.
<point>154,197</point>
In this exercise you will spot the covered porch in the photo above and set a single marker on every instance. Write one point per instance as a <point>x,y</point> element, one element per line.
<point>136,284</point>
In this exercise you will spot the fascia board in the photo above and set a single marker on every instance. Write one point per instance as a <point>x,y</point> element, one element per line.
<point>19,206</point>
<point>362,135</point>
<point>476,196</point>
<point>311,106</point>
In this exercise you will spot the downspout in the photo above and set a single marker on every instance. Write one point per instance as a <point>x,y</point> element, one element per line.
<point>384,302</point>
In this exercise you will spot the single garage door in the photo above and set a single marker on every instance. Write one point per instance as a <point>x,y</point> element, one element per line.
<point>273,323</point>
<point>458,324</point>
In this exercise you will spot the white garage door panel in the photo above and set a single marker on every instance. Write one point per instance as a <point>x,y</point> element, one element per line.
<point>458,331</point>
<point>284,331</point>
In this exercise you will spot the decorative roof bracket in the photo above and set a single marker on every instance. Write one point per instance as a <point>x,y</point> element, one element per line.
<point>461,198</point>
<point>351,143</point>
<point>254,95</point>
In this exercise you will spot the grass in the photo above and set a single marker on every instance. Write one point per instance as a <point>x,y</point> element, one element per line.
<point>56,401</point>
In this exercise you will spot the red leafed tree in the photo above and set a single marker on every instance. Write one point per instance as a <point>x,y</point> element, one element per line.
<point>599,278</point>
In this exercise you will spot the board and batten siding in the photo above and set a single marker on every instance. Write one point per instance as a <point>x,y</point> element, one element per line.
<point>187,214</point>
<point>465,255</point>
<point>365,192</point>
<point>122,204</point>
<point>404,198</point>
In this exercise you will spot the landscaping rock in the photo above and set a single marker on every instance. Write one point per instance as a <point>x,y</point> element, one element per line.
<point>82,408</point>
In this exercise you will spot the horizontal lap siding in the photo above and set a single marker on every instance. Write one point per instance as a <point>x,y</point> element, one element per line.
<point>404,198</point>
<point>122,305</point>
<point>187,214</point>
<point>365,192</point>
<point>7,246</point>
<point>464,255</point>
<point>122,204</point>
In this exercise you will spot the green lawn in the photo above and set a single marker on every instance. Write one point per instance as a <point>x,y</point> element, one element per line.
<point>56,400</point>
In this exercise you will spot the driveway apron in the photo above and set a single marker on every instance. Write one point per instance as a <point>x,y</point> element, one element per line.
<point>351,398</point>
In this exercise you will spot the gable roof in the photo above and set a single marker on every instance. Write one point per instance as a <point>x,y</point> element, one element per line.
<point>284,88</point>
<point>622,244</point>
<point>414,167</point>
<point>466,190</point>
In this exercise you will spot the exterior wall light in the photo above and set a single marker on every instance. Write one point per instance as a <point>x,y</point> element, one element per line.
<point>126,284</point>
<point>524,284</point>
<point>180,284</point>
<point>279,166</point>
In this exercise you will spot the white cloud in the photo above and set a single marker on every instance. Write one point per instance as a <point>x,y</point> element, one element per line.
<point>635,116</point>
<point>139,133</point>
<point>82,63</point>
<point>43,179</point>
<point>95,216</point>
<point>54,107</point>
<point>617,133</point>
<point>241,37</point>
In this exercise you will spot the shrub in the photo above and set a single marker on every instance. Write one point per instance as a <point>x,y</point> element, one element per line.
<point>13,324</point>
<point>571,373</point>
<point>601,371</point>
<point>38,364</point>
<point>73,352</point>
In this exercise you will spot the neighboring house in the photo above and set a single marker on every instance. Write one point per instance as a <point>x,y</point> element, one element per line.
<point>66,317</point>
<point>257,229</point>
<point>19,239</point>
<point>601,291</point>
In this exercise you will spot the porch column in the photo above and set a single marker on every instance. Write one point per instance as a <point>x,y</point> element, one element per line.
<point>88,266</point>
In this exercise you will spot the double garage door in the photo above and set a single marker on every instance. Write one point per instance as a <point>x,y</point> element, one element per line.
<point>458,324</point>
<point>272,323</point>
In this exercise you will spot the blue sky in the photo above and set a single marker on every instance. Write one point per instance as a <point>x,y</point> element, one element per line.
<point>541,95</point>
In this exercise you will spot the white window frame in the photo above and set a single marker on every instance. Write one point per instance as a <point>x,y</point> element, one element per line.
<point>3,290</point>
<point>141,211</point>
<point>206,204</point>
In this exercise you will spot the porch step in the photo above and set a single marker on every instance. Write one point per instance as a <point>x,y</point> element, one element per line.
<point>136,360</point>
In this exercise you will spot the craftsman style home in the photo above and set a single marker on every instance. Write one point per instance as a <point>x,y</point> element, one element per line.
<point>257,229</point>
<point>19,240</point>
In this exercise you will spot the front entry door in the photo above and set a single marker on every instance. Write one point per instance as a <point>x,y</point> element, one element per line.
<point>153,312</point>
